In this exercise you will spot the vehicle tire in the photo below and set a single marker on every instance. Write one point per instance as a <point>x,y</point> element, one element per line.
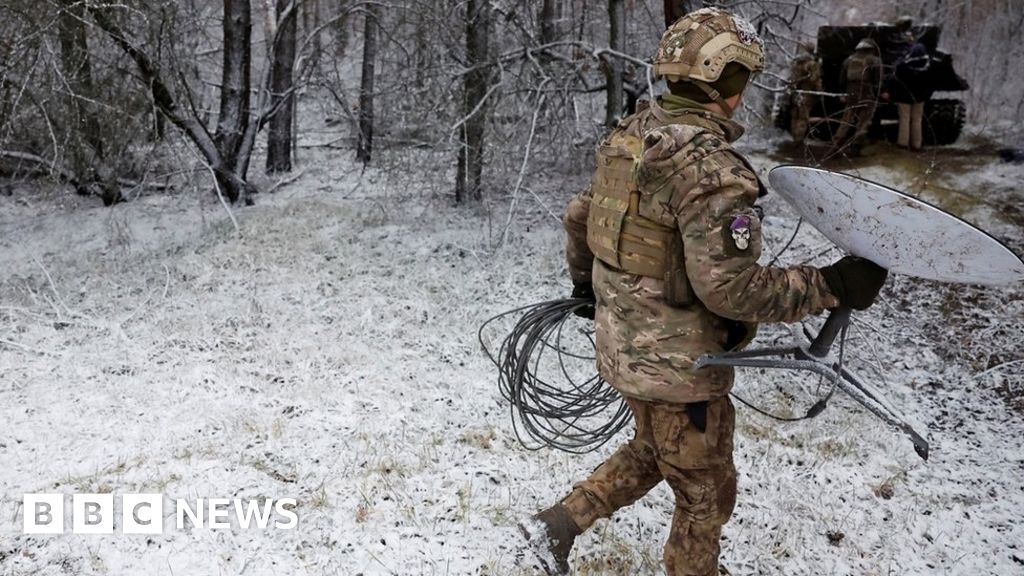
<point>943,121</point>
<point>781,111</point>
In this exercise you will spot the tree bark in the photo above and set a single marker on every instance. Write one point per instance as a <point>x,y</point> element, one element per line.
<point>233,120</point>
<point>676,9</point>
<point>340,29</point>
<point>210,147</point>
<point>613,66</point>
<point>364,147</point>
<point>476,84</point>
<point>87,153</point>
<point>310,23</point>
<point>282,100</point>
<point>548,31</point>
<point>422,49</point>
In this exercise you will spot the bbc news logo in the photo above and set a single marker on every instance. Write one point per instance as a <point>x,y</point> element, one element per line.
<point>144,513</point>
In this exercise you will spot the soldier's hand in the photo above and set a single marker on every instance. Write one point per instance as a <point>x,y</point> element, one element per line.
<point>585,291</point>
<point>855,281</point>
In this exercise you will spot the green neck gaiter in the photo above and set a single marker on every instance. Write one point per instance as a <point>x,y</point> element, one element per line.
<point>673,103</point>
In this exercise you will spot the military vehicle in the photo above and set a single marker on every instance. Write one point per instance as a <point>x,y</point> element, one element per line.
<point>943,117</point>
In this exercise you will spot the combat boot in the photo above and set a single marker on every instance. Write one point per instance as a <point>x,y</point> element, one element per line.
<point>549,538</point>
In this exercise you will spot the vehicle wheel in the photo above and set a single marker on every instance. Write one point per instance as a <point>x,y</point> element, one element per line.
<point>943,121</point>
<point>781,111</point>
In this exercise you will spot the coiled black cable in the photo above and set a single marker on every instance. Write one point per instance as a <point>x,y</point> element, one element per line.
<point>575,417</point>
<point>553,408</point>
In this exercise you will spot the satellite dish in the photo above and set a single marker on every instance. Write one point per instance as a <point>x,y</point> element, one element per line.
<point>896,231</point>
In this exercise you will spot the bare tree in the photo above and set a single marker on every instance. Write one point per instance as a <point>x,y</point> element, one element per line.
<point>548,30</point>
<point>311,19</point>
<point>228,150</point>
<point>86,149</point>
<point>340,27</point>
<point>613,66</point>
<point>233,120</point>
<point>364,148</point>
<point>676,9</point>
<point>476,85</point>
<point>279,133</point>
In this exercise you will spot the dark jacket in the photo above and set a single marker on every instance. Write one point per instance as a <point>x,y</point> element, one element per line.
<point>910,82</point>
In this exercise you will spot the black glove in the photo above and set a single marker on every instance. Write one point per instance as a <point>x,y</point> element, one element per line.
<point>584,290</point>
<point>855,281</point>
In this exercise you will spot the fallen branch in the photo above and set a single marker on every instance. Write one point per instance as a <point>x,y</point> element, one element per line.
<point>66,176</point>
<point>51,167</point>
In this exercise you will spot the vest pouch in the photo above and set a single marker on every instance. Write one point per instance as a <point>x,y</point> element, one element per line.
<point>678,291</point>
<point>611,188</point>
<point>855,71</point>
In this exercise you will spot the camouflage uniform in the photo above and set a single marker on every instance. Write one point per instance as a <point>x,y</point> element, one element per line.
<point>804,75</point>
<point>862,78</point>
<point>689,179</point>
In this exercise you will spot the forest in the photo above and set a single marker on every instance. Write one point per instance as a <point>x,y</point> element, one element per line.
<point>246,248</point>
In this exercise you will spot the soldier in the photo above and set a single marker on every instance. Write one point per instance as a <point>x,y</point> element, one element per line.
<point>909,87</point>
<point>667,239</point>
<point>862,80</point>
<point>899,39</point>
<point>804,76</point>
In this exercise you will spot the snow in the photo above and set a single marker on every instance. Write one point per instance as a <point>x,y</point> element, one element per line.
<point>327,352</point>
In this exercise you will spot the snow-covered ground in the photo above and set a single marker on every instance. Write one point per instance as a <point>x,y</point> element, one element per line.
<point>326,351</point>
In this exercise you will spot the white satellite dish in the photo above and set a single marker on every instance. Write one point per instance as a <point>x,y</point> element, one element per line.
<point>894,230</point>
<point>898,232</point>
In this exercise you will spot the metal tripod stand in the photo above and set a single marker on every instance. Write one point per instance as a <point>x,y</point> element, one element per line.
<point>815,358</point>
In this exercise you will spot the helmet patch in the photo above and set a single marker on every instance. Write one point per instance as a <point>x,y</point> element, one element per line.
<point>746,32</point>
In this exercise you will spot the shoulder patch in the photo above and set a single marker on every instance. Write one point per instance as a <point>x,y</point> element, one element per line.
<point>739,229</point>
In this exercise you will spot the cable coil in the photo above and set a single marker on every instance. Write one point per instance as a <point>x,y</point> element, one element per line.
<point>573,416</point>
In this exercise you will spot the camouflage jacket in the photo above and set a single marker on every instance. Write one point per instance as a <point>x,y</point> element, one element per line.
<point>862,75</point>
<point>689,178</point>
<point>805,73</point>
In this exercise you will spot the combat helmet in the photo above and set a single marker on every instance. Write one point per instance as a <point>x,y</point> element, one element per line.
<point>866,44</point>
<point>904,23</point>
<point>698,47</point>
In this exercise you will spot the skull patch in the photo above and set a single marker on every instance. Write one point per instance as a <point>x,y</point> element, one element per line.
<point>740,230</point>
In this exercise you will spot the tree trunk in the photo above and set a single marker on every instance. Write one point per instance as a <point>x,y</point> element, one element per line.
<point>548,31</point>
<point>226,152</point>
<point>475,86</point>
<point>340,29</point>
<point>613,66</point>
<point>233,121</point>
<point>310,22</point>
<point>676,9</point>
<point>422,43</point>
<point>85,140</point>
<point>279,134</point>
<point>77,68</point>
<point>364,147</point>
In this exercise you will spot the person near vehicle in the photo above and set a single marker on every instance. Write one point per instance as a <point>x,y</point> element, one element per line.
<point>862,81</point>
<point>666,239</point>
<point>910,88</point>
<point>804,79</point>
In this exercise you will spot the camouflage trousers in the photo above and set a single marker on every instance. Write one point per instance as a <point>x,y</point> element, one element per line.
<point>697,466</point>
<point>858,115</point>
<point>800,115</point>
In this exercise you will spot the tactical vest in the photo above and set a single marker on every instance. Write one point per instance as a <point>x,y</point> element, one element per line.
<point>857,68</point>
<point>623,239</point>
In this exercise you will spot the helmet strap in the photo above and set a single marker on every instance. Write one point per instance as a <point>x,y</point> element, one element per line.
<point>715,96</point>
